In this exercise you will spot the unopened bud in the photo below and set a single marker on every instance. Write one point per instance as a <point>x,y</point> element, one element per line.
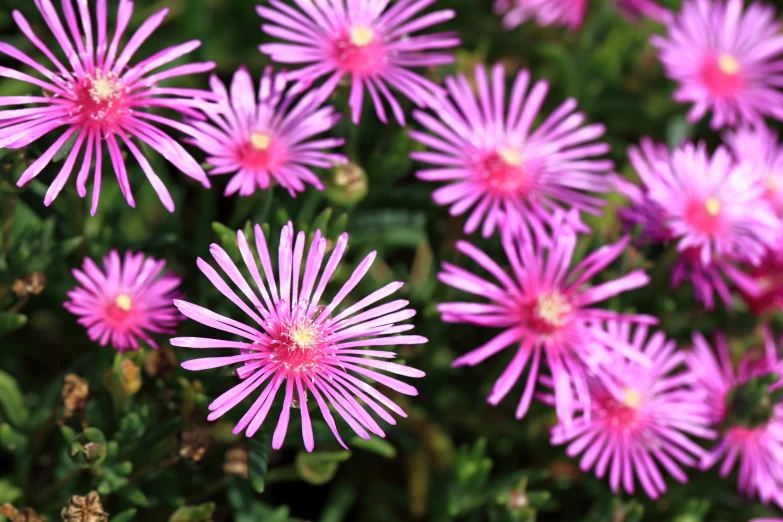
<point>131,377</point>
<point>75,393</point>
<point>347,185</point>
<point>194,444</point>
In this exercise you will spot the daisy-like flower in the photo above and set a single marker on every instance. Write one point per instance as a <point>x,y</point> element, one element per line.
<point>640,416</point>
<point>712,206</point>
<point>295,343</point>
<point>99,99</point>
<point>562,13</point>
<point>269,140</point>
<point>500,164</point>
<point>126,302</point>
<point>725,59</point>
<point>364,39</point>
<point>543,307</point>
<point>746,403</point>
<point>759,146</point>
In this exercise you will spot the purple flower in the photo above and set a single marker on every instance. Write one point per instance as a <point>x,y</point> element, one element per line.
<point>100,100</point>
<point>502,165</point>
<point>725,59</point>
<point>563,13</point>
<point>364,39</point>
<point>636,9</point>
<point>753,433</point>
<point>639,416</point>
<point>126,301</point>
<point>542,306</point>
<point>269,140</point>
<point>759,145</point>
<point>298,344</point>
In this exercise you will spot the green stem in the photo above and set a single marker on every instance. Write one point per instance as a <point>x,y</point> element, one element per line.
<point>282,474</point>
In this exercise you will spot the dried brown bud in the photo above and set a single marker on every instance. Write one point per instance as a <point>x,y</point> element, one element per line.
<point>75,392</point>
<point>236,461</point>
<point>194,444</point>
<point>32,284</point>
<point>160,363</point>
<point>8,511</point>
<point>84,509</point>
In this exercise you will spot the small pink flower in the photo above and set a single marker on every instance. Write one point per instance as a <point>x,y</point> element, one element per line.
<point>639,417</point>
<point>726,59</point>
<point>268,140</point>
<point>502,166</point>
<point>543,307</point>
<point>367,40</point>
<point>297,344</point>
<point>564,13</point>
<point>637,9</point>
<point>126,302</point>
<point>99,100</point>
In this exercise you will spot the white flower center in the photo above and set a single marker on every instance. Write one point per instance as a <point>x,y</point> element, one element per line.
<point>123,302</point>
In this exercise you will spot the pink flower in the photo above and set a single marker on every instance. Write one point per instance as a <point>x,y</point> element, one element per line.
<point>126,302</point>
<point>751,415</point>
<point>99,100</point>
<point>500,164</point>
<point>362,39</point>
<point>542,306</point>
<point>759,146</point>
<point>268,141</point>
<point>639,416</point>
<point>636,9</point>
<point>298,342</point>
<point>565,13</point>
<point>725,59</point>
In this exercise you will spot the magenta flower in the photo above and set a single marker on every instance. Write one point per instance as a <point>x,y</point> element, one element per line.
<point>300,343</point>
<point>268,141</point>
<point>126,302</point>
<point>99,100</point>
<point>725,59</point>
<point>753,422</point>
<point>500,164</point>
<point>364,40</point>
<point>563,13</point>
<point>639,417</point>
<point>759,146</point>
<point>637,9</point>
<point>543,307</point>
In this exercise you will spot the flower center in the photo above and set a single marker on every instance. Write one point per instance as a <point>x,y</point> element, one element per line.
<point>704,217</point>
<point>118,310</point>
<point>260,152</point>
<point>547,314</point>
<point>260,141</point>
<point>300,345</point>
<point>359,50</point>
<point>722,76</point>
<point>123,302</point>
<point>505,172</point>
<point>100,97</point>
<point>632,398</point>
<point>619,415</point>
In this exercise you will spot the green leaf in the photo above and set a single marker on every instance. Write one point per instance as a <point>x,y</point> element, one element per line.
<point>125,516</point>
<point>11,398</point>
<point>10,322</point>
<point>134,495</point>
<point>258,449</point>
<point>11,440</point>
<point>200,513</point>
<point>9,492</point>
<point>374,445</point>
<point>65,149</point>
<point>319,467</point>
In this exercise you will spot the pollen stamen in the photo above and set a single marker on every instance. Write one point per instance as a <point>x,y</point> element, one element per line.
<point>728,64</point>
<point>123,302</point>
<point>712,205</point>
<point>260,141</point>
<point>361,36</point>
<point>510,156</point>
<point>632,398</point>
<point>552,308</point>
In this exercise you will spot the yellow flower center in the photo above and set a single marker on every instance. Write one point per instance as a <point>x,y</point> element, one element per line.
<point>123,302</point>
<point>302,336</point>
<point>728,64</point>
<point>510,156</point>
<point>260,141</point>
<point>103,88</point>
<point>632,398</point>
<point>712,205</point>
<point>361,35</point>
<point>552,308</point>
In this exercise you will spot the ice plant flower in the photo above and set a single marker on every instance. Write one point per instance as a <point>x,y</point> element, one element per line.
<point>746,403</point>
<point>640,416</point>
<point>501,165</point>
<point>267,137</point>
<point>543,307</point>
<point>298,344</point>
<point>364,39</point>
<point>759,146</point>
<point>725,59</point>
<point>126,302</point>
<point>713,207</point>
<point>562,13</point>
<point>99,99</point>
<point>637,9</point>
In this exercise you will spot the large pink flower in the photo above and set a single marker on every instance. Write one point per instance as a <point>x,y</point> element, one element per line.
<point>502,166</point>
<point>726,59</point>
<point>297,343</point>
<point>99,99</point>
<point>367,40</point>
<point>268,140</point>
<point>126,302</point>
<point>543,307</point>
